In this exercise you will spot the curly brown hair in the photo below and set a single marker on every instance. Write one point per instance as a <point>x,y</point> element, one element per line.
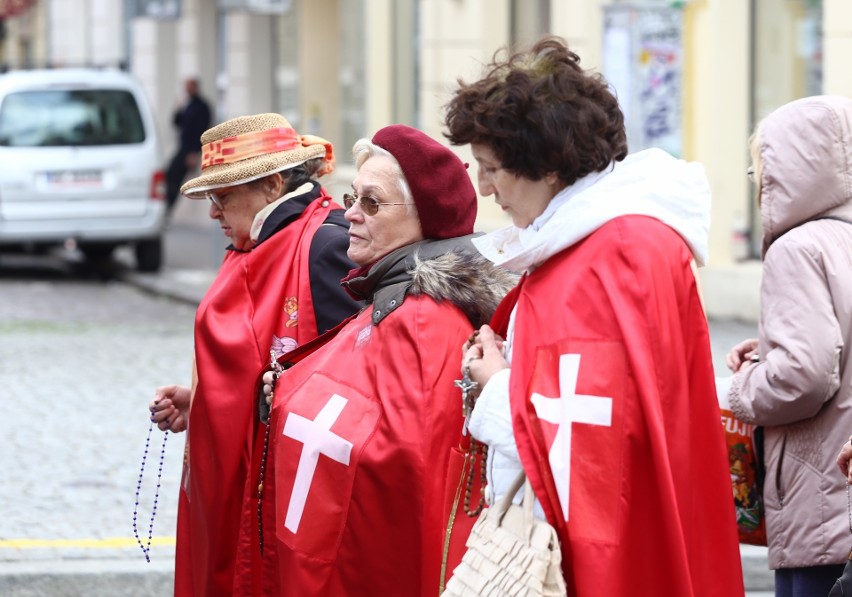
<point>539,112</point>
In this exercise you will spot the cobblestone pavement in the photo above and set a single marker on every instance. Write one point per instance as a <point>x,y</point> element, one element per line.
<point>79,361</point>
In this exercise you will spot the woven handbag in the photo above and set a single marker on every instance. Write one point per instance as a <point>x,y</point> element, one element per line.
<point>510,552</point>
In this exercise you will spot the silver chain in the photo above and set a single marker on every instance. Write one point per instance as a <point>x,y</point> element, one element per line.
<point>849,507</point>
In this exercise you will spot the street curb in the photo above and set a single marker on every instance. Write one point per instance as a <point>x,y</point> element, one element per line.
<point>187,286</point>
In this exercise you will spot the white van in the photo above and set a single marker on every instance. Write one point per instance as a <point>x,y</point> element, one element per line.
<point>79,160</point>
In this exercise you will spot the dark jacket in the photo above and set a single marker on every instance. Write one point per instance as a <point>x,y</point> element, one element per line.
<point>192,120</point>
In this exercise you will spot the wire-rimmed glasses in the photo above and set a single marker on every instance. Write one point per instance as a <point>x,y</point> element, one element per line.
<point>369,205</point>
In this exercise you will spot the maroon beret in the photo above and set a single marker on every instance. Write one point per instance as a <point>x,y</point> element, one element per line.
<point>443,193</point>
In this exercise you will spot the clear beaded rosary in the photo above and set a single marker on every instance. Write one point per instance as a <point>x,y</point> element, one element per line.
<point>146,549</point>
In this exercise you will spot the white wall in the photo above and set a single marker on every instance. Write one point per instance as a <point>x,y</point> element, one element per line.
<point>837,46</point>
<point>153,64</point>
<point>70,32</point>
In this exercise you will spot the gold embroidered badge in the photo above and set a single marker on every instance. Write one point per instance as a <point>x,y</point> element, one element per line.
<point>291,308</point>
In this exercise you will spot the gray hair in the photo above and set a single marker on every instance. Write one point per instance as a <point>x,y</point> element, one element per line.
<point>364,149</point>
<point>754,142</point>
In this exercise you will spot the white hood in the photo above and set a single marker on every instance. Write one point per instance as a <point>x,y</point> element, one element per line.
<point>650,183</point>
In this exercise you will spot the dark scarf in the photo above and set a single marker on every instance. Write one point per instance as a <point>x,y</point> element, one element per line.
<point>385,282</point>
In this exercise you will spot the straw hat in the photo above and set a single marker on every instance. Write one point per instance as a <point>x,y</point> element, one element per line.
<point>250,147</point>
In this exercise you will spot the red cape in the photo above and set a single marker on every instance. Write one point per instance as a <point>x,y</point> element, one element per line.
<point>616,417</point>
<point>252,298</point>
<point>363,463</point>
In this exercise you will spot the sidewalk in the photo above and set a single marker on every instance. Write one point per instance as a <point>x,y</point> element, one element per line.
<point>118,577</point>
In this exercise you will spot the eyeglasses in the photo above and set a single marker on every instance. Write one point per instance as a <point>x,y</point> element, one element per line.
<point>369,205</point>
<point>750,173</point>
<point>215,201</point>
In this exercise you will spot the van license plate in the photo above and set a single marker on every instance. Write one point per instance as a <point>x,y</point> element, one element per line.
<point>62,179</point>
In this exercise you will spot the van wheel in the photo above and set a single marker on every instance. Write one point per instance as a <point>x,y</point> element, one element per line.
<point>149,255</point>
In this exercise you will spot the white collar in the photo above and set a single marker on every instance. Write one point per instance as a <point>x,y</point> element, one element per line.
<point>261,216</point>
<point>650,182</point>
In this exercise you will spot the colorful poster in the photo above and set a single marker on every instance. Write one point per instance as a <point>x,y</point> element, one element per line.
<point>643,61</point>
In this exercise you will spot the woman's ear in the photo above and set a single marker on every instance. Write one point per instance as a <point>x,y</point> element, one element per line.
<point>552,178</point>
<point>273,185</point>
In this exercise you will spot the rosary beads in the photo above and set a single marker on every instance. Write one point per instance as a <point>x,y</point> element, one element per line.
<point>146,549</point>
<point>482,449</point>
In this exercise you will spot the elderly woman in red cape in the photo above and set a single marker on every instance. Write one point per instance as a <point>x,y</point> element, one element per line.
<point>277,288</point>
<point>363,490</point>
<point>603,390</point>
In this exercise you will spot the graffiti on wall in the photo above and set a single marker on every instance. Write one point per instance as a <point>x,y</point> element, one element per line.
<point>643,61</point>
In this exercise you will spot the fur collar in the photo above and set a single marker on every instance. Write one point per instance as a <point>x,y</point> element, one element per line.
<point>446,270</point>
<point>468,280</point>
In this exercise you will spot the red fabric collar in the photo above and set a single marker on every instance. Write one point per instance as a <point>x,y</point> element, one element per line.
<point>500,319</point>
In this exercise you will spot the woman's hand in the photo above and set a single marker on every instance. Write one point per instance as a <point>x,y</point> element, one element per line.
<point>483,355</point>
<point>170,408</point>
<point>843,460</point>
<point>741,354</point>
<point>268,380</point>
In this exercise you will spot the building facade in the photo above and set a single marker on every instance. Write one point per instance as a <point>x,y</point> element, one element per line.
<point>693,76</point>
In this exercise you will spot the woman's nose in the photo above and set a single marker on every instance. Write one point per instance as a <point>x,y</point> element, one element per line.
<point>352,212</point>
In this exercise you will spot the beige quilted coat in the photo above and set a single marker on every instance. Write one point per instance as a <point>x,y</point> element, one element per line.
<point>801,390</point>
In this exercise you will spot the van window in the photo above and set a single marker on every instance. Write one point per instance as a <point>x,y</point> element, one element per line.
<point>61,117</point>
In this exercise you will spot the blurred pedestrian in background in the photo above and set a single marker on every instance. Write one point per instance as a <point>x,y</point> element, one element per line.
<point>277,288</point>
<point>795,379</point>
<point>365,488</point>
<point>598,379</point>
<point>191,119</point>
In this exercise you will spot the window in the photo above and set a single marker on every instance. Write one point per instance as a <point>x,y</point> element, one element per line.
<point>58,118</point>
<point>352,73</point>
<point>530,20</point>
<point>787,57</point>
<point>786,65</point>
